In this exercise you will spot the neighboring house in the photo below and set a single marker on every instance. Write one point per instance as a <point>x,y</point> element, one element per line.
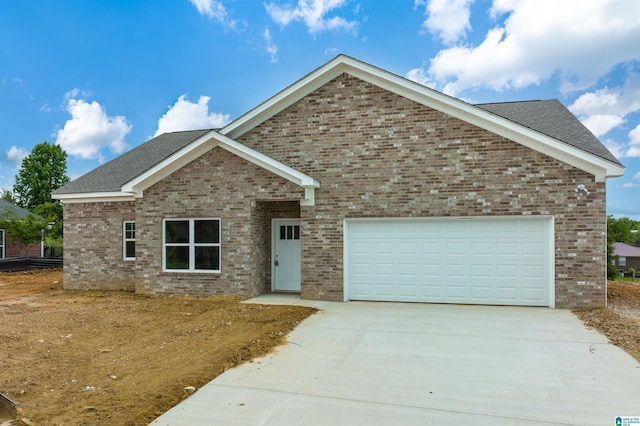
<point>354,184</point>
<point>10,247</point>
<point>626,257</point>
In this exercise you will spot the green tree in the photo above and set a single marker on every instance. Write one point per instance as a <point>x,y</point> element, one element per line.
<point>42,171</point>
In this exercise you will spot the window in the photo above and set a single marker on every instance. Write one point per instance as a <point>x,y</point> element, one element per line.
<point>191,245</point>
<point>289,232</point>
<point>1,243</point>
<point>622,261</point>
<point>129,240</point>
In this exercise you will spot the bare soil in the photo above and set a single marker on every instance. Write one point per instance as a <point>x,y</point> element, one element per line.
<point>620,320</point>
<point>116,358</point>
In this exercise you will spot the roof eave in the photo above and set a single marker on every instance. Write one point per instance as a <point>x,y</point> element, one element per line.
<point>93,197</point>
<point>204,144</point>
<point>600,167</point>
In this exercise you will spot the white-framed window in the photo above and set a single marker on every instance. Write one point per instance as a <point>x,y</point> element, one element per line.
<point>622,261</point>
<point>2,252</point>
<point>129,240</point>
<point>191,245</point>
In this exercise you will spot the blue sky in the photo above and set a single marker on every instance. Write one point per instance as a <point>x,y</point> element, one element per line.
<point>101,77</point>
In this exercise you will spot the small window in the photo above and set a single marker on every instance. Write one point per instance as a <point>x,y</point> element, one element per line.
<point>1,243</point>
<point>191,245</point>
<point>622,261</point>
<point>289,232</point>
<point>129,239</point>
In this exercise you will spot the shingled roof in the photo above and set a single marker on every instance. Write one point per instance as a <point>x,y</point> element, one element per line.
<point>5,205</point>
<point>110,176</point>
<point>532,123</point>
<point>553,119</point>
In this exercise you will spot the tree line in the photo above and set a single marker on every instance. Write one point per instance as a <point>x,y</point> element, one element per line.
<point>41,172</point>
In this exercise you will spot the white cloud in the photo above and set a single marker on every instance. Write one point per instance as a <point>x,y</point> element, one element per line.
<point>215,10</point>
<point>446,19</point>
<point>634,145</point>
<point>312,13</point>
<point>271,48</point>
<point>607,108</point>
<point>16,154</point>
<point>90,129</point>
<point>574,39</point>
<point>419,76</point>
<point>185,115</point>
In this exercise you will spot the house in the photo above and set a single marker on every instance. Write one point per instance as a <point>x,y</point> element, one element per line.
<point>354,184</point>
<point>10,247</point>
<point>626,257</point>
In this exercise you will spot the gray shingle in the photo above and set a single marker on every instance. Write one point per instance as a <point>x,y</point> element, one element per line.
<point>553,119</point>
<point>549,117</point>
<point>110,176</point>
<point>5,205</point>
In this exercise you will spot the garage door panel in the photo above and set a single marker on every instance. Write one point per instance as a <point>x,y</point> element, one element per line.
<point>494,261</point>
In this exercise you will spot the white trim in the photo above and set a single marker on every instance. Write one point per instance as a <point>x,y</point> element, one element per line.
<point>552,235</point>
<point>2,243</point>
<point>125,240</point>
<point>590,163</point>
<point>204,144</point>
<point>94,197</point>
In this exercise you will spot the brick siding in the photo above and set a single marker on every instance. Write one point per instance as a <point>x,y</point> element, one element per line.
<point>93,258</point>
<point>375,154</point>
<point>14,248</point>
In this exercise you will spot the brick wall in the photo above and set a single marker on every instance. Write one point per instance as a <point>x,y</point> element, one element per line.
<point>377,154</point>
<point>14,248</point>
<point>217,185</point>
<point>93,258</point>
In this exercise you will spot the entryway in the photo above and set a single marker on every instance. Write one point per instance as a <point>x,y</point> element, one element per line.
<point>285,259</point>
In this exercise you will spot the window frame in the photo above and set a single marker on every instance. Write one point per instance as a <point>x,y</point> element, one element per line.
<point>3,247</point>
<point>126,240</point>
<point>622,260</point>
<point>191,244</point>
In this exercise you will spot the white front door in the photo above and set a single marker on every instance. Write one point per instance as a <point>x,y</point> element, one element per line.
<point>285,263</point>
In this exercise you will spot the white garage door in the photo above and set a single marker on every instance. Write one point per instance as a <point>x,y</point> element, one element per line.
<point>500,261</point>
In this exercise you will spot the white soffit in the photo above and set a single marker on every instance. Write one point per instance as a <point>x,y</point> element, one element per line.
<point>94,197</point>
<point>590,163</point>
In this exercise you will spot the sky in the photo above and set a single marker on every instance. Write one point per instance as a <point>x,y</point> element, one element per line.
<point>100,77</point>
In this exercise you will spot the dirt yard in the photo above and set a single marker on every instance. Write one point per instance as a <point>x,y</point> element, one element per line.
<point>620,321</point>
<point>113,358</point>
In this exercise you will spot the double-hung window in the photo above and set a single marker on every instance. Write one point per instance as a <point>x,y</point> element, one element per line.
<point>191,245</point>
<point>129,240</point>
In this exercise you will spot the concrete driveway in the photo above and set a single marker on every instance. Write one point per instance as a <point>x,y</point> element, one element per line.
<point>398,363</point>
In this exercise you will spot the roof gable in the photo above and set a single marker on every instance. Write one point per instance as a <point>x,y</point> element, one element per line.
<point>544,126</point>
<point>174,151</point>
<point>110,177</point>
<point>578,147</point>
